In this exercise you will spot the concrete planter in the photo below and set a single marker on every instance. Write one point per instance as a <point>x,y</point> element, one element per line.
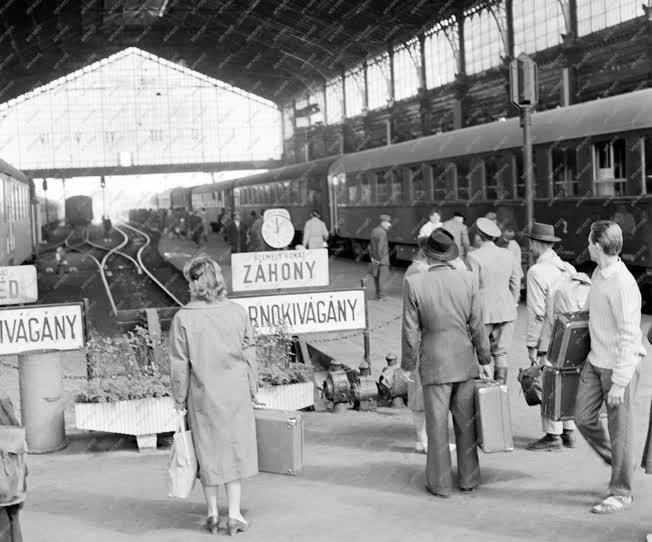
<point>143,418</point>
<point>288,396</point>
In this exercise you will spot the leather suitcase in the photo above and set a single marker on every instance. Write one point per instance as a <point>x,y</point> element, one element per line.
<point>570,343</point>
<point>493,420</point>
<point>560,392</point>
<point>280,441</point>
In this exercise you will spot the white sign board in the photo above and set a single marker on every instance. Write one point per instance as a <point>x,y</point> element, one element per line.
<point>18,284</point>
<point>306,312</point>
<point>252,271</point>
<point>41,327</point>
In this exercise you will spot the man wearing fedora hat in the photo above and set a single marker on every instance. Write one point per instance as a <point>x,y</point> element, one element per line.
<point>442,330</point>
<point>379,254</point>
<point>498,281</point>
<point>543,280</point>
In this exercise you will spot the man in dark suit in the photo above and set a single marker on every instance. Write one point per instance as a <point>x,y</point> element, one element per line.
<point>379,254</point>
<point>443,328</point>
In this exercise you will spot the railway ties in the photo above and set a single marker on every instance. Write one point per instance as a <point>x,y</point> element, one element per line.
<point>129,293</point>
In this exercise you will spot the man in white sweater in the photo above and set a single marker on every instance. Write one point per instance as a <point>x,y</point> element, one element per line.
<point>611,372</point>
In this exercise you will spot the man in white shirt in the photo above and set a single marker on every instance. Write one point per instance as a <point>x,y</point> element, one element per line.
<point>611,372</point>
<point>434,222</point>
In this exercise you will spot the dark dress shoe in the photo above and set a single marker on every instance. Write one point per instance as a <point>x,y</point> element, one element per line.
<point>234,526</point>
<point>436,494</point>
<point>467,489</point>
<point>212,524</point>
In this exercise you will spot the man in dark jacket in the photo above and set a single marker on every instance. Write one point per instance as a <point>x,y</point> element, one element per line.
<point>233,234</point>
<point>443,328</point>
<point>379,254</point>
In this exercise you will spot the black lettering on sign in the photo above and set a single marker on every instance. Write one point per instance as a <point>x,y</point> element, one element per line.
<point>46,326</point>
<point>260,274</point>
<point>332,317</point>
<point>311,268</point>
<point>247,280</point>
<point>286,271</point>
<point>34,334</point>
<point>341,310</point>
<point>298,270</point>
<point>253,315</point>
<point>273,272</point>
<point>352,305</point>
<point>22,332</point>
<point>321,316</point>
<point>59,327</point>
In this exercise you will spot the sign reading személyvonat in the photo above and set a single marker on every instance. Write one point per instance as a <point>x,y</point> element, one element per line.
<point>279,269</point>
<point>41,327</point>
<point>306,312</point>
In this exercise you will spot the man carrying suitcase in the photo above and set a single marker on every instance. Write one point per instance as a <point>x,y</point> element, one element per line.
<point>499,285</point>
<point>611,372</point>
<point>443,329</point>
<point>543,278</point>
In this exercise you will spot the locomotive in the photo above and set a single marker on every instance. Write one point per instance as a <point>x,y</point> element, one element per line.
<point>79,210</point>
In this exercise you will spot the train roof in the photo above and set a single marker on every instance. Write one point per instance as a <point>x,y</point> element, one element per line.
<point>13,172</point>
<point>624,112</point>
<point>315,167</point>
<point>210,187</point>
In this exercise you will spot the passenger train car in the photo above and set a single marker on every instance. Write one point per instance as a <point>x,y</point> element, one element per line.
<point>19,231</point>
<point>591,161</point>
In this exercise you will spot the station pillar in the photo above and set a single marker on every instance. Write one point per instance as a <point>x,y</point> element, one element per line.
<point>42,401</point>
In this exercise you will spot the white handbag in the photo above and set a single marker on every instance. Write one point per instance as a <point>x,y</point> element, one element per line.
<point>182,468</point>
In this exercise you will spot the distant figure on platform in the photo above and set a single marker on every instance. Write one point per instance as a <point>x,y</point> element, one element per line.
<point>611,372</point>
<point>434,222</point>
<point>646,462</point>
<point>196,228</point>
<point>58,258</point>
<point>106,223</point>
<point>13,473</point>
<point>497,275</point>
<point>442,332</point>
<point>255,242</point>
<point>213,376</point>
<point>460,233</point>
<point>379,254</point>
<point>315,234</point>
<point>508,241</point>
<point>543,279</point>
<point>415,390</point>
<point>233,234</point>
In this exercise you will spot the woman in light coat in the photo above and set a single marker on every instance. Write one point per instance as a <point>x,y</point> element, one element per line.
<point>213,377</point>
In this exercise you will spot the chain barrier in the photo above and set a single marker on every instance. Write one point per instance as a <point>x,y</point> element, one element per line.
<point>356,333</point>
<point>66,377</point>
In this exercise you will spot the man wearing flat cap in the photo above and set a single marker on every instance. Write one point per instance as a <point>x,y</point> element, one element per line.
<point>379,254</point>
<point>442,331</point>
<point>543,280</point>
<point>498,279</point>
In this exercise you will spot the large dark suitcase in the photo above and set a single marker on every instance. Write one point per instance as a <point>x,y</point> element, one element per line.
<point>493,420</point>
<point>280,441</point>
<point>560,392</point>
<point>570,343</point>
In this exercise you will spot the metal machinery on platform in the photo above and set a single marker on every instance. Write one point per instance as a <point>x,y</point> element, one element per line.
<point>346,386</point>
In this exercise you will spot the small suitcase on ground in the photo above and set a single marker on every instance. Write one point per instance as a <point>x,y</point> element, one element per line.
<point>493,420</point>
<point>560,392</point>
<point>280,441</point>
<point>570,343</point>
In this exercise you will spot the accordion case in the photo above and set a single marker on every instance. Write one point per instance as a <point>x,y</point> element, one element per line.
<point>560,392</point>
<point>493,420</point>
<point>570,343</point>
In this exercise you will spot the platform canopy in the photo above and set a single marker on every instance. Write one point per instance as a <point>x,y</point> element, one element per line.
<point>271,48</point>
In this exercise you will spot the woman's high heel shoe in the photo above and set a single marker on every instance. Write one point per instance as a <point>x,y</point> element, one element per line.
<point>212,524</point>
<point>235,526</point>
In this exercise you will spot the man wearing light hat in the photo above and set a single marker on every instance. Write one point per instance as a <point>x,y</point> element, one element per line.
<point>499,285</point>
<point>442,332</point>
<point>379,254</point>
<point>543,280</point>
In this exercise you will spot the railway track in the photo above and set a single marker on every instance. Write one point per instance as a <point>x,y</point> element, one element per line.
<point>132,288</point>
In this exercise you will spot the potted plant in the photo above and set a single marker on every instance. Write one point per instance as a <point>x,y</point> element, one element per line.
<point>283,383</point>
<point>128,392</point>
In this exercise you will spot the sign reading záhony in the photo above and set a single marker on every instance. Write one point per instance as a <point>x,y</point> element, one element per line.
<point>41,327</point>
<point>280,269</point>
<point>306,312</point>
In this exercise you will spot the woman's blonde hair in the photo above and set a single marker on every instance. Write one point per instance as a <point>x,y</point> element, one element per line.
<point>205,279</point>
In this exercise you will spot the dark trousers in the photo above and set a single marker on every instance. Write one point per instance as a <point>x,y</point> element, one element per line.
<point>616,448</point>
<point>438,400</point>
<point>380,279</point>
<point>9,526</point>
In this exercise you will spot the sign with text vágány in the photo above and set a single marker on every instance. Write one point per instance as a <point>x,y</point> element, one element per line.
<point>252,271</point>
<point>41,327</point>
<point>306,312</point>
<point>18,284</point>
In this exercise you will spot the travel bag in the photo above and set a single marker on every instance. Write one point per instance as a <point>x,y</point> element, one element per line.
<point>560,392</point>
<point>530,380</point>
<point>570,343</point>
<point>493,420</point>
<point>280,441</point>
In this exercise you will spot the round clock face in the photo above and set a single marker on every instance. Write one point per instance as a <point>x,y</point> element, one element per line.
<point>278,231</point>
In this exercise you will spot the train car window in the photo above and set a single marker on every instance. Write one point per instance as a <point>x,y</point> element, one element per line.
<point>491,174</point>
<point>609,167</point>
<point>419,183</point>
<point>564,169</point>
<point>440,178</point>
<point>520,176</point>
<point>397,185</point>
<point>463,184</point>
<point>303,192</point>
<point>365,188</point>
<point>352,185</point>
<point>647,160</point>
<point>382,186</point>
